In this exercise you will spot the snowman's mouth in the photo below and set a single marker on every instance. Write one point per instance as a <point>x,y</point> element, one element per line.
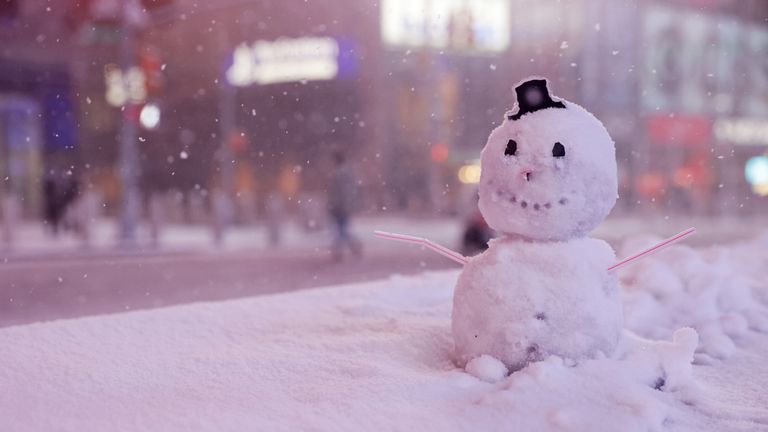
<point>510,199</point>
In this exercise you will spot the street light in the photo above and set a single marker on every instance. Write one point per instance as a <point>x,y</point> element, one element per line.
<point>149,116</point>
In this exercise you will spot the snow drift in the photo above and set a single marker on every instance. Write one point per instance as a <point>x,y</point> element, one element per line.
<point>721,292</point>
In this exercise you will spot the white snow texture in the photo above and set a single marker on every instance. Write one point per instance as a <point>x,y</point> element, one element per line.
<point>379,356</point>
<point>711,290</point>
<point>523,301</point>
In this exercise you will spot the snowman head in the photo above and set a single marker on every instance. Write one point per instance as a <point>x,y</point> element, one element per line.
<point>549,170</point>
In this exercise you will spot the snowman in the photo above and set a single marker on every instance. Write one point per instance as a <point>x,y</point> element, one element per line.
<point>542,288</point>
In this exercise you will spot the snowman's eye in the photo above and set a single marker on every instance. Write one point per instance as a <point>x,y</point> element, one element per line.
<point>511,148</point>
<point>558,150</point>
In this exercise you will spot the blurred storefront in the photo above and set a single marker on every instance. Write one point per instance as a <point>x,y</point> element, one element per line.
<point>704,97</point>
<point>38,130</point>
<point>260,99</point>
<point>38,114</point>
<point>254,97</point>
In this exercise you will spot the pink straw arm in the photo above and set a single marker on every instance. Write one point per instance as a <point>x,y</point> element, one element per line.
<point>442,250</point>
<point>457,257</point>
<point>653,249</point>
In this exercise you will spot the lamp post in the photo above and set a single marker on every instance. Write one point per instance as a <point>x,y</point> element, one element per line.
<point>129,156</point>
<point>223,196</point>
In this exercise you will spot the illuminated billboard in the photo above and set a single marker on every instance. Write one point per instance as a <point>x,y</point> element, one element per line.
<point>455,25</point>
<point>284,60</point>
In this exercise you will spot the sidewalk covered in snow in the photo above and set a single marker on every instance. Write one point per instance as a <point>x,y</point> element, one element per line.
<point>378,356</point>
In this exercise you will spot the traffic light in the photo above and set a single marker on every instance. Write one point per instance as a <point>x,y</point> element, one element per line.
<point>152,66</point>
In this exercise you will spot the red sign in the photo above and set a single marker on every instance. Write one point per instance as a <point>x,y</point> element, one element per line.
<point>679,130</point>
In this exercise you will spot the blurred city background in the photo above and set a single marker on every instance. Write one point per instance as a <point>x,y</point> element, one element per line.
<point>154,152</point>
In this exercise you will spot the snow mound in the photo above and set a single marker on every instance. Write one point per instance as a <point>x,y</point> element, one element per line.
<point>374,356</point>
<point>633,390</point>
<point>487,368</point>
<point>722,293</point>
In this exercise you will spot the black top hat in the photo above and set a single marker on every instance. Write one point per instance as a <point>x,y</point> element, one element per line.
<point>532,96</point>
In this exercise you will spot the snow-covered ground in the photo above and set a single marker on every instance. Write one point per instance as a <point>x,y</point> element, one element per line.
<point>378,356</point>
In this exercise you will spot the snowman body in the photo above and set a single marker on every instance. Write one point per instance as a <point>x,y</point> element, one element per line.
<point>513,304</point>
<point>542,288</point>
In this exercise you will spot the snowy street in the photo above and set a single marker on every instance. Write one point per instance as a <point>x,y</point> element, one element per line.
<point>46,289</point>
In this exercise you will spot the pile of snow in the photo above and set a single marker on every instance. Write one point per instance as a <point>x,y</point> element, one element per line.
<point>720,292</point>
<point>375,356</point>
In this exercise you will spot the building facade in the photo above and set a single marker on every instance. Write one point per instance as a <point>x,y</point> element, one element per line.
<point>254,97</point>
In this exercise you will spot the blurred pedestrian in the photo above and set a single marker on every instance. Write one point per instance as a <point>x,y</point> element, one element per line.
<point>275,209</point>
<point>157,200</point>
<point>342,192</point>
<point>59,191</point>
<point>221,206</point>
<point>9,211</point>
